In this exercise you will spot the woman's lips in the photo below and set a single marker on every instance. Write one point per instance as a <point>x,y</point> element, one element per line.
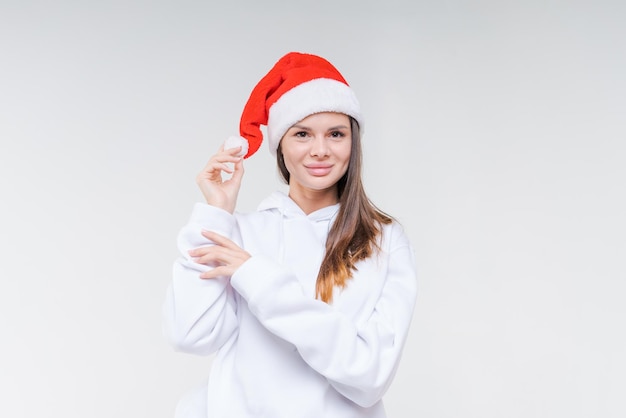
<point>318,169</point>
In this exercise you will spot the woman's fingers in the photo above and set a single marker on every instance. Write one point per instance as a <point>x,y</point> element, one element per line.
<point>219,239</point>
<point>214,167</point>
<point>216,272</point>
<point>238,171</point>
<point>224,256</point>
<point>213,256</point>
<point>217,255</point>
<point>224,262</point>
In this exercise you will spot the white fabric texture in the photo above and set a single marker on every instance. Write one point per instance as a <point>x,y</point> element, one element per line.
<point>281,352</point>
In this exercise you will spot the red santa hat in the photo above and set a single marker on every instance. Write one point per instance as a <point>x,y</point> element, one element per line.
<point>297,86</point>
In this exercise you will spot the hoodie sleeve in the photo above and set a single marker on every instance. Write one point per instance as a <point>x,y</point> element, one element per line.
<point>199,315</point>
<point>358,359</point>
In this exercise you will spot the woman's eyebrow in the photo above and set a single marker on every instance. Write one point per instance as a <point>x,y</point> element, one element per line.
<point>304,128</point>
<point>332,128</point>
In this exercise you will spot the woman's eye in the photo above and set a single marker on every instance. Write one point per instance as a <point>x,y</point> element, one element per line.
<point>337,134</point>
<point>301,134</point>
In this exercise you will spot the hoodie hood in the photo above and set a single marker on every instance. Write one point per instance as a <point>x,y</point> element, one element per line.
<point>282,203</point>
<point>302,237</point>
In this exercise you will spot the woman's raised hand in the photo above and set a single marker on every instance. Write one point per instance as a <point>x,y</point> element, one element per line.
<point>217,191</point>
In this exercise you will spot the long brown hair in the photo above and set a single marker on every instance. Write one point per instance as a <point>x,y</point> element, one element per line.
<point>353,236</point>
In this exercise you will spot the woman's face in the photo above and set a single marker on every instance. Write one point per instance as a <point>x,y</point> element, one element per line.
<point>316,152</point>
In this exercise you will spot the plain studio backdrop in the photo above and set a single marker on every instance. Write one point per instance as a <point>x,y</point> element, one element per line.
<point>495,132</point>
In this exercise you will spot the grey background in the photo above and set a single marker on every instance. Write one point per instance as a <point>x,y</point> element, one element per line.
<point>495,133</point>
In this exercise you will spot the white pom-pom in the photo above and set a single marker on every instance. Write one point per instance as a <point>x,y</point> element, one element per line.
<point>237,141</point>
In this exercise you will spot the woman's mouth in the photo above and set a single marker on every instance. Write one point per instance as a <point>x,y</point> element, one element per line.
<point>318,170</point>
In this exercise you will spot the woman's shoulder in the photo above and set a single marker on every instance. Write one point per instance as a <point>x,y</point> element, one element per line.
<point>394,235</point>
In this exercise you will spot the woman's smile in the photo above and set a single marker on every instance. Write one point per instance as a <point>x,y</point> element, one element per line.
<point>318,170</point>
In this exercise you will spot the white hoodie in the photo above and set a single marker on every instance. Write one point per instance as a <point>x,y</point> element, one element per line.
<point>281,353</point>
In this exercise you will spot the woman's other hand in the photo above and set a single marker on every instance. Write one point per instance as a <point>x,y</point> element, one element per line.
<point>224,256</point>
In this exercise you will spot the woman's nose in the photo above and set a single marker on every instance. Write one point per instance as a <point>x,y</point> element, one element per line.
<point>319,147</point>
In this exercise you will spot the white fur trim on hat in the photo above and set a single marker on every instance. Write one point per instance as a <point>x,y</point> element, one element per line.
<point>315,96</point>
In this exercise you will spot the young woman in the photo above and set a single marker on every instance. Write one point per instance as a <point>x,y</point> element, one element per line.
<point>306,302</point>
